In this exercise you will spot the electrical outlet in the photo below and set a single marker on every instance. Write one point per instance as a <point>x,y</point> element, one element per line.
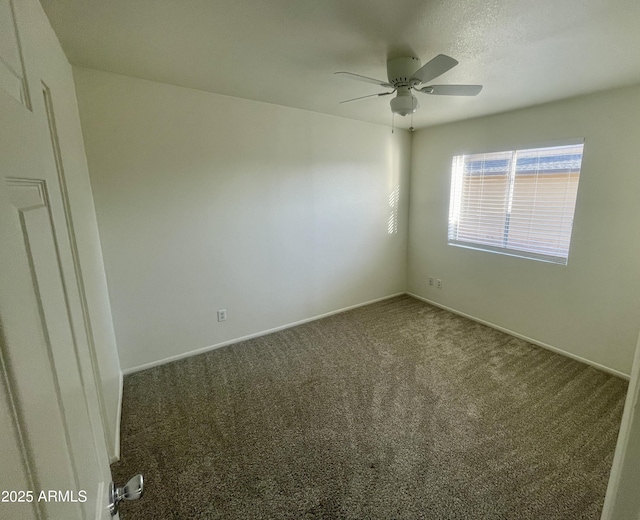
<point>439,283</point>
<point>222,315</point>
<point>431,281</point>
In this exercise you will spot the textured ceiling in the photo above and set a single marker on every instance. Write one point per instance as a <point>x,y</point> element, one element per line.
<point>524,52</point>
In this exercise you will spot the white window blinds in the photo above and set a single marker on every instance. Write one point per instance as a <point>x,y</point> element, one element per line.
<point>519,202</point>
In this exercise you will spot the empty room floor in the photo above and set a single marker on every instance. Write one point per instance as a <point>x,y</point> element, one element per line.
<point>393,410</point>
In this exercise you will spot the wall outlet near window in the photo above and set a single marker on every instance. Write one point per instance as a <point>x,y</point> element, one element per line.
<point>439,283</point>
<point>431,280</point>
<point>222,315</point>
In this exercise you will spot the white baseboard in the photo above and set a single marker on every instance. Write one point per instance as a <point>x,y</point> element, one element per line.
<point>115,456</point>
<point>202,350</point>
<point>251,336</point>
<point>557,350</point>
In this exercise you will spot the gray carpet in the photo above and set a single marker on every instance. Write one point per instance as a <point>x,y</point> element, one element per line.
<point>397,410</point>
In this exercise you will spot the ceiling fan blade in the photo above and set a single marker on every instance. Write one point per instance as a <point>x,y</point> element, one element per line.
<point>366,79</point>
<point>370,95</point>
<point>434,68</point>
<point>451,90</point>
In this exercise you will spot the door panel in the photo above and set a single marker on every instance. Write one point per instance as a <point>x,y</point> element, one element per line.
<point>30,200</point>
<point>41,440</point>
<point>11,452</point>
<point>12,78</point>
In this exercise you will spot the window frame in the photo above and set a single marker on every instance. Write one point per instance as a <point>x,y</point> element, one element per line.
<point>455,200</point>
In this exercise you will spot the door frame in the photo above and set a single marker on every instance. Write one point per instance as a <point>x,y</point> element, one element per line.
<point>622,501</point>
<point>84,326</point>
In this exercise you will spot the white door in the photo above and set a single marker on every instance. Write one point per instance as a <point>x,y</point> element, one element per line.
<point>54,462</point>
<point>623,494</point>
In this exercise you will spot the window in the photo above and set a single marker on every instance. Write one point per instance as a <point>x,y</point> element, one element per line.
<point>519,202</point>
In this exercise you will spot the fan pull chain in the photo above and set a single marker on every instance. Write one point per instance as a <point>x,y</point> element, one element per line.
<point>411,127</point>
<point>393,120</point>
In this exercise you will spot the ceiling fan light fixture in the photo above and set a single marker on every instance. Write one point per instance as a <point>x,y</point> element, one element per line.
<point>404,105</point>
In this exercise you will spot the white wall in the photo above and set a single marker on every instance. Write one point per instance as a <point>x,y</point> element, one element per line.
<point>209,202</point>
<point>48,58</point>
<point>589,308</point>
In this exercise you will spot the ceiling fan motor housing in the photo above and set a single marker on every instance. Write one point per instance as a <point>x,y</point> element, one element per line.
<point>400,71</point>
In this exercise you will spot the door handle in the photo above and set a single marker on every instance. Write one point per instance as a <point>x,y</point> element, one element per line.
<point>132,490</point>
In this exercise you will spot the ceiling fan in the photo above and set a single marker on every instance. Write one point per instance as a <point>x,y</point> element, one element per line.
<point>408,74</point>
